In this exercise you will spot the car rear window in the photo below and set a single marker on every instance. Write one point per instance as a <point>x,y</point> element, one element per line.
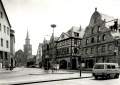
<point>99,67</point>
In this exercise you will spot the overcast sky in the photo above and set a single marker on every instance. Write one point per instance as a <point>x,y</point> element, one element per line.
<point>38,15</point>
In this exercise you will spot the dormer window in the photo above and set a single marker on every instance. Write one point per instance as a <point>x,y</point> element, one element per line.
<point>63,36</point>
<point>76,34</point>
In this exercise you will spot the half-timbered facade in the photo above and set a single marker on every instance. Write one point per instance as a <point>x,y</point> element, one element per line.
<point>98,44</point>
<point>68,48</point>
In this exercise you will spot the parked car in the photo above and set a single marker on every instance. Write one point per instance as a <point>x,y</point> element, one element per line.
<point>106,70</point>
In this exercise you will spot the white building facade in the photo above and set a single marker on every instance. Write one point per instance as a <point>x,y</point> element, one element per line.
<point>4,38</point>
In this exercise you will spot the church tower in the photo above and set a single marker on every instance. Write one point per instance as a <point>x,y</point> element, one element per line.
<point>27,47</point>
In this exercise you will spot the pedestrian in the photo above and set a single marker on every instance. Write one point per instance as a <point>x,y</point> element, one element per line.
<point>11,68</point>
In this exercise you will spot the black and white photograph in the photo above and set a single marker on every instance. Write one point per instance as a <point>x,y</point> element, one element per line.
<point>59,42</point>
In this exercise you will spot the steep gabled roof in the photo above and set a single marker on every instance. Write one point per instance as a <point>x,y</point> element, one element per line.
<point>104,19</point>
<point>74,29</point>
<point>63,33</point>
<point>5,13</point>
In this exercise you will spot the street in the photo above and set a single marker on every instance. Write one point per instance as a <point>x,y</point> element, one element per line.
<point>37,76</point>
<point>31,75</point>
<point>85,81</point>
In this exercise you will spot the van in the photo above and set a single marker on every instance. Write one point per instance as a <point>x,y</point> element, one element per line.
<point>106,70</point>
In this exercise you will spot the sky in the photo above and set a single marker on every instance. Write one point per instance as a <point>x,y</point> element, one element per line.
<point>36,16</point>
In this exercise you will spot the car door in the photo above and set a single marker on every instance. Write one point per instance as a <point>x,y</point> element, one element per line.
<point>114,70</point>
<point>108,69</point>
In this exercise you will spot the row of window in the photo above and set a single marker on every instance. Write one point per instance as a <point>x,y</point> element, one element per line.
<point>4,28</point>
<point>64,51</point>
<point>68,42</point>
<point>67,50</point>
<point>98,49</point>
<point>98,30</point>
<point>103,38</point>
<point>7,43</point>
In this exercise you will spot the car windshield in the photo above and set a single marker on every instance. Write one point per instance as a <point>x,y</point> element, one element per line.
<point>99,67</point>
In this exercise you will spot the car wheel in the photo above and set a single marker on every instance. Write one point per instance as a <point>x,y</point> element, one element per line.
<point>96,77</point>
<point>117,76</point>
<point>107,77</point>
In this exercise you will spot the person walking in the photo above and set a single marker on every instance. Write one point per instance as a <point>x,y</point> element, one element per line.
<point>11,68</point>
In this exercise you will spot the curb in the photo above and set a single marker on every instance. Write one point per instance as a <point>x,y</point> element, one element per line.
<point>50,80</point>
<point>10,71</point>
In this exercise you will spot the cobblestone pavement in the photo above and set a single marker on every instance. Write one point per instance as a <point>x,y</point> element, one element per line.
<point>31,75</point>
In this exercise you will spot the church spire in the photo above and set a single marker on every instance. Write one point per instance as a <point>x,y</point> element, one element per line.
<point>27,36</point>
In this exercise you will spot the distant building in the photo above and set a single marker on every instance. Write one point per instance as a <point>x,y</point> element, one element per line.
<point>53,48</point>
<point>20,58</point>
<point>99,40</point>
<point>45,51</point>
<point>39,55</point>
<point>28,49</point>
<point>5,27</point>
<point>68,48</point>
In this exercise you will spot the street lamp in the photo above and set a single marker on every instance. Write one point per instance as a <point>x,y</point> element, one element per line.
<point>53,26</point>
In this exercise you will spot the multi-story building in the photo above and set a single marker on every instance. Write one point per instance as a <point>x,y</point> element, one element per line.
<point>12,48</point>
<point>39,55</point>
<point>53,48</point>
<point>5,27</point>
<point>68,48</point>
<point>98,44</point>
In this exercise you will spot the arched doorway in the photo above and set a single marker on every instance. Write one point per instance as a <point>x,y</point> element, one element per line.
<point>63,64</point>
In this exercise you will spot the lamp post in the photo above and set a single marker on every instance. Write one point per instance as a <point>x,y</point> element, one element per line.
<point>80,60</point>
<point>53,26</point>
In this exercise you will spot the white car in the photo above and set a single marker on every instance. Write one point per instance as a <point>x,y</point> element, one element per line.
<point>105,70</point>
